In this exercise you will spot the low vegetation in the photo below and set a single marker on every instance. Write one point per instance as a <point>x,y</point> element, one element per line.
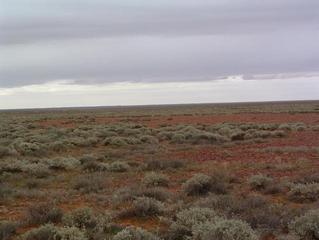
<point>195,172</point>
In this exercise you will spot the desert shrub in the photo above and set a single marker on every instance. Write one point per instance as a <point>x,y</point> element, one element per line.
<point>225,131</point>
<point>87,158</point>
<point>124,195</point>
<point>30,149</point>
<point>304,192</point>
<point>278,133</point>
<point>312,178</point>
<point>178,138</point>
<point>155,180</point>
<point>4,151</point>
<point>59,146</point>
<point>262,134</point>
<point>273,188</point>
<point>145,207</point>
<point>259,182</point>
<point>149,139</point>
<point>306,226</point>
<point>7,229</point>
<point>43,213</point>
<point>199,184</point>
<point>237,135</point>
<point>219,182</point>
<point>38,170</point>
<point>131,233</point>
<point>89,183</point>
<point>118,166</point>
<point>284,126</point>
<point>106,133</point>
<point>252,209</point>
<point>82,218</point>
<point>13,166</point>
<point>159,194</point>
<point>187,219</point>
<point>5,191</point>
<point>45,232</point>
<point>94,166</point>
<point>156,164</point>
<point>70,233</point>
<point>63,163</point>
<point>115,141</point>
<point>224,229</point>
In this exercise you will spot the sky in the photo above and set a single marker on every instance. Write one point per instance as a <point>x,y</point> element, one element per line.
<point>58,53</point>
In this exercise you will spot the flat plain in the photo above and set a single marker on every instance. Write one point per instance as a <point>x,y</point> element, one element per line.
<point>198,171</point>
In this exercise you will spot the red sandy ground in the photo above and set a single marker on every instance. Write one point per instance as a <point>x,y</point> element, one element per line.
<point>241,153</point>
<point>247,155</point>
<point>307,118</point>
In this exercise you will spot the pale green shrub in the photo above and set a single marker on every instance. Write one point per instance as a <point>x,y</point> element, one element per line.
<point>224,229</point>
<point>118,166</point>
<point>70,233</point>
<point>7,229</point>
<point>259,182</point>
<point>155,180</point>
<point>132,233</point>
<point>304,192</point>
<point>187,219</point>
<point>63,163</point>
<point>306,226</point>
<point>145,206</point>
<point>89,183</point>
<point>45,232</point>
<point>80,218</point>
<point>199,184</point>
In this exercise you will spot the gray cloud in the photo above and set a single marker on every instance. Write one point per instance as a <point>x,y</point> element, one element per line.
<point>179,40</point>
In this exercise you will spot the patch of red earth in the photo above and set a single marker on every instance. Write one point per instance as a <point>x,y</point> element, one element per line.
<point>246,154</point>
<point>147,223</point>
<point>307,118</point>
<point>156,121</point>
<point>14,210</point>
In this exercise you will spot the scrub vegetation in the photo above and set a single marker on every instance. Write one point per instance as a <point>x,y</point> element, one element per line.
<point>180,172</point>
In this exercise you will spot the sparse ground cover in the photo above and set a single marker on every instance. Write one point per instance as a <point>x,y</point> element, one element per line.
<point>236,171</point>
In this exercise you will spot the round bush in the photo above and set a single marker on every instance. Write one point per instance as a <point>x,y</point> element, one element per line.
<point>199,184</point>
<point>187,219</point>
<point>131,233</point>
<point>260,182</point>
<point>306,226</point>
<point>155,180</point>
<point>224,229</point>
<point>145,206</point>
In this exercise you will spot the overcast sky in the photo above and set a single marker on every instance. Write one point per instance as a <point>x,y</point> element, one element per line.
<point>95,52</point>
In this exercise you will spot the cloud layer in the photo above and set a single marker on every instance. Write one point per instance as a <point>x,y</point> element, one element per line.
<point>233,89</point>
<point>93,42</point>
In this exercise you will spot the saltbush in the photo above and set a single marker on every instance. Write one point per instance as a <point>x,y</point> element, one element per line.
<point>118,166</point>
<point>45,232</point>
<point>155,180</point>
<point>145,206</point>
<point>89,183</point>
<point>187,219</point>
<point>304,192</point>
<point>259,182</point>
<point>7,229</point>
<point>224,229</point>
<point>70,233</point>
<point>132,233</point>
<point>199,184</point>
<point>306,226</point>
<point>80,218</point>
<point>43,213</point>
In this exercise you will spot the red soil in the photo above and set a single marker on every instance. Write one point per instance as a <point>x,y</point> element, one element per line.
<point>307,118</point>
